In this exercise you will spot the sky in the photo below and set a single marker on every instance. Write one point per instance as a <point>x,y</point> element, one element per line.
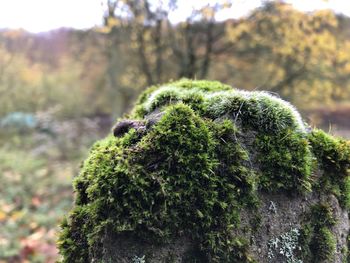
<point>43,15</point>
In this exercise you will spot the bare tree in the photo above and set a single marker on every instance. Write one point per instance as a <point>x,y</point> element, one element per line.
<point>162,46</point>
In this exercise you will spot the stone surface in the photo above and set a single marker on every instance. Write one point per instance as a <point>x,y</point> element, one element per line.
<point>279,214</point>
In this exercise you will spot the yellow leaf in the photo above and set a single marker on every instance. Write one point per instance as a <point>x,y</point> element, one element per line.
<point>2,215</point>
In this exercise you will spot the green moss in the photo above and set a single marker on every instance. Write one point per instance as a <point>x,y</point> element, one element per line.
<point>234,168</point>
<point>333,156</point>
<point>323,245</point>
<point>279,126</point>
<point>346,250</point>
<point>204,85</point>
<point>282,169</point>
<point>305,238</point>
<point>73,237</point>
<point>196,168</point>
<point>258,110</point>
<point>184,90</point>
<point>322,216</point>
<point>255,110</point>
<point>168,181</point>
<point>317,241</point>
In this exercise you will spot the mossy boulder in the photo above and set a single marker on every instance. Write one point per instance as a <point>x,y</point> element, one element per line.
<point>202,172</point>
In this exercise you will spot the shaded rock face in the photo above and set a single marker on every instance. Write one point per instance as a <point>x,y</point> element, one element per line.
<point>279,216</point>
<point>125,249</point>
<point>202,172</point>
<point>283,217</point>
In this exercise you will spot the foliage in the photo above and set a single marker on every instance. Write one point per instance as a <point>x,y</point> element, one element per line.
<point>302,56</point>
<point>161,49</point>
<point>28,194</point>
<point>299,55</point>
<point>36,172</point>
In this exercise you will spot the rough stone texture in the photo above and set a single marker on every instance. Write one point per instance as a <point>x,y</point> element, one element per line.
<point>126,249</point>
<point>279,214</point>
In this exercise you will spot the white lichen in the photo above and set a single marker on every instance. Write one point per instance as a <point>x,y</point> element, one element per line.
<point>285,246</point>
<point>137,259</point>
<point>273,207</point>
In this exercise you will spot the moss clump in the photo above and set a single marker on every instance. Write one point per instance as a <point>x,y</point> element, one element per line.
<point>333,156</point>
<point>324,245</point>
<point>168,182</point>
<point>193,171</point>
<point>346,249</point>
<point>278,124</point>
<point>284,169</point>
<point>323,242</point>
<point>317,240</point>
<point>258,110</point>
<point>184,90</point>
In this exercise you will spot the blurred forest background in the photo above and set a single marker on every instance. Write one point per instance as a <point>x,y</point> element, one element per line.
<point>62,90</point>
